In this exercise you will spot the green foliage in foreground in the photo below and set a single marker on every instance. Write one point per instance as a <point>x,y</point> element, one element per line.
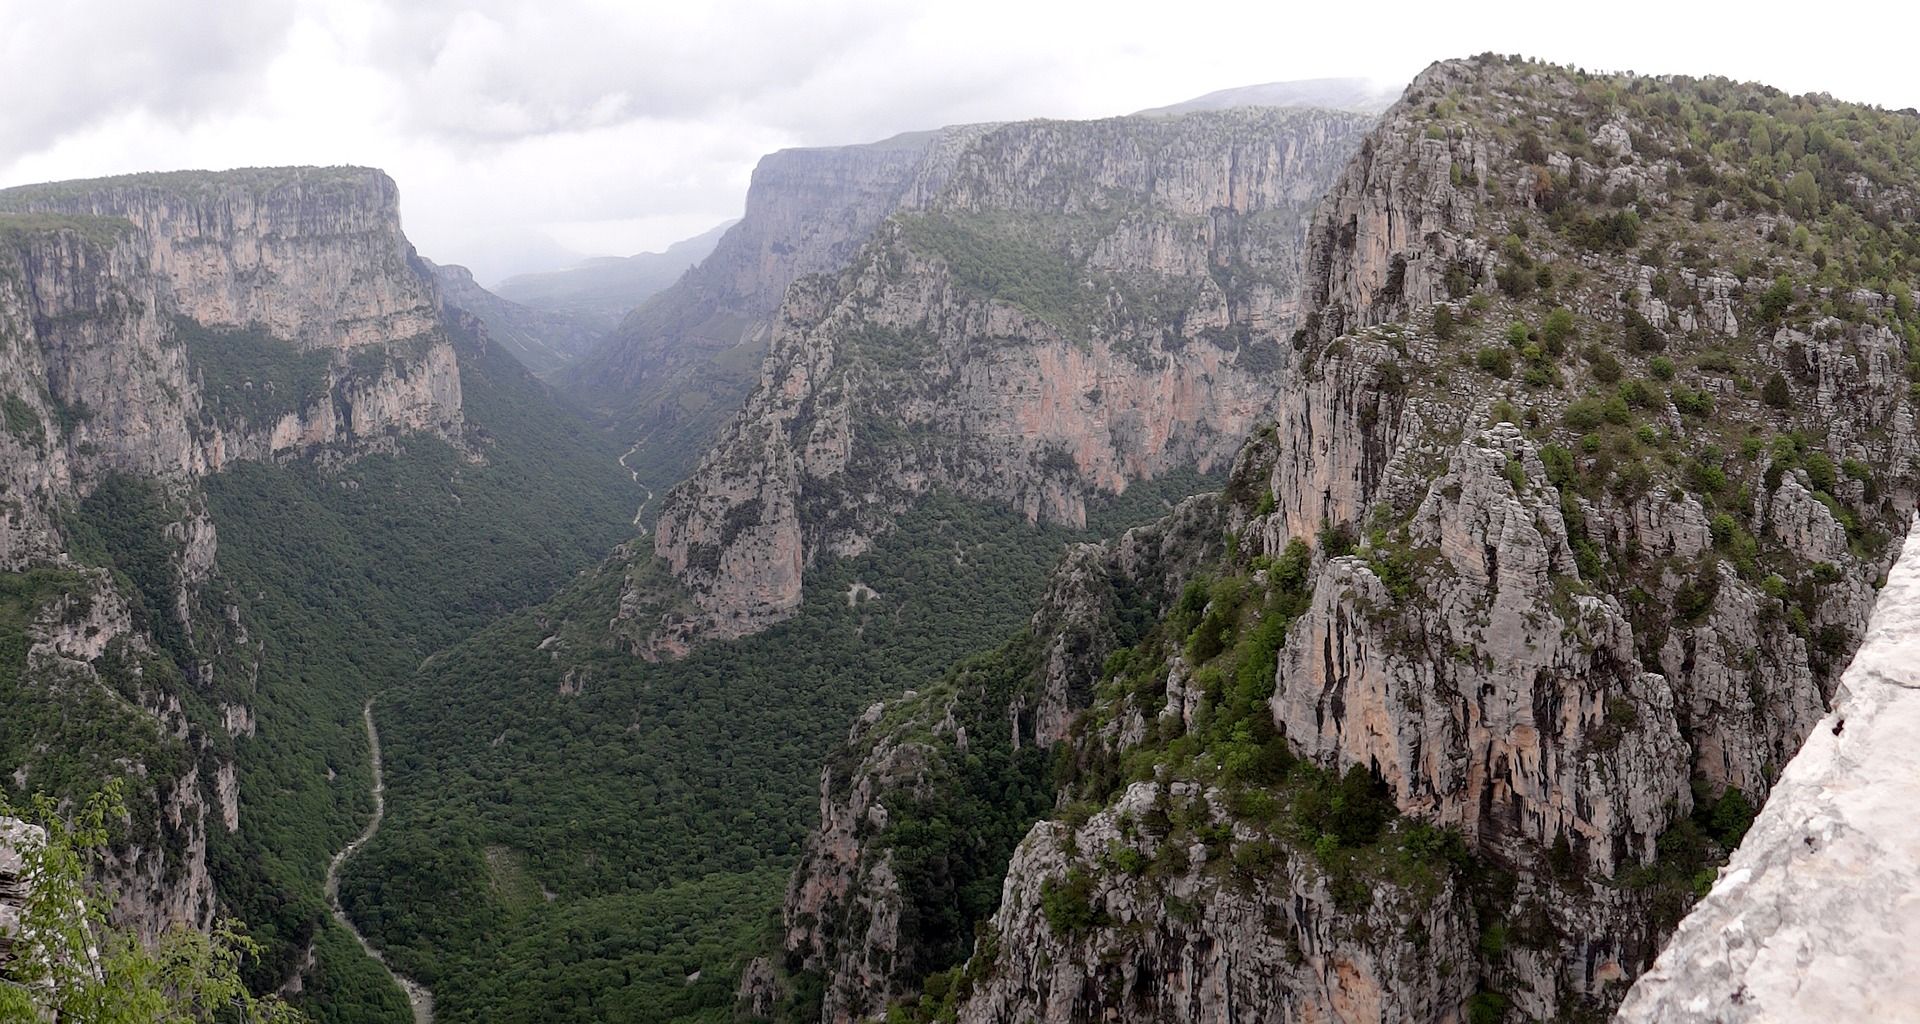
<point>67,964</point>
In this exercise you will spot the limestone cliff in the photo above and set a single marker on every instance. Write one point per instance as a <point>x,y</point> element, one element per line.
<point>306,318</point>
<point>311,255</point>
<point>1577,488</point>
<point>677,367</point>
<point>1078,306</point>
<point>154,329</point>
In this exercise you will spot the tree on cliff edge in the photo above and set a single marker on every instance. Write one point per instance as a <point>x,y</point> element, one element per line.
<point>64,963</point>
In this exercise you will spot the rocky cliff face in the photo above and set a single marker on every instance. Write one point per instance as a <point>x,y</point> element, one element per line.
<point>848,917</point>
<point>680,365</point>
<point>306,318</point>
<point>1578,487</point>
<point>1806,921</point>
<point>310,255</point>
<point>154,329</point>
<point>1078,307</point>
<point>15,835</point>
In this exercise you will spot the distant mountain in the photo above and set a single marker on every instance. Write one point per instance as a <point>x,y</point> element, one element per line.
<point>603,290</point>
<point>542,340</point>
<point>1361,94</point>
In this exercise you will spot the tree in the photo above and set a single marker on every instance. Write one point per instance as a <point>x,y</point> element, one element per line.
<point>68,965</point>
<point>1775,391</point>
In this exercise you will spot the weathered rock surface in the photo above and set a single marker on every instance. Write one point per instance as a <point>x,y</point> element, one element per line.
<point>677,367</point>
<point>100,274</point>
<point>1078,307</point>
<point>1817,915</point>
<point>1273,947</point>
<point>1483,705</point>
<point>1572,590</point>
<point>312,255</point>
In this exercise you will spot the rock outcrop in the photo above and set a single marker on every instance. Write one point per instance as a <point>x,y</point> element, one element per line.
<point>310,255</point>
<point>1813,917</point>
<point>306,318</point>
<point>16,837</point>
<point>1531,591</point>
<point>1078,306</point>
<point>1278,945</point>
<point>846,915</point>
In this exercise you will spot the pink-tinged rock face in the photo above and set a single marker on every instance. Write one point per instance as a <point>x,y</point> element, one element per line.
<point>1038,402</point>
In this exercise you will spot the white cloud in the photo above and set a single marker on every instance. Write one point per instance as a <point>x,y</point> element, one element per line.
<point>517,127</point>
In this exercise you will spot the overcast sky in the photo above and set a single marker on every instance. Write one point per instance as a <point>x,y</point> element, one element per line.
<point>523,131</point>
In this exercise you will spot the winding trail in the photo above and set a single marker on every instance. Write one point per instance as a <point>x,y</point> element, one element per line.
<point>635,474</point>
<point>417,995</point>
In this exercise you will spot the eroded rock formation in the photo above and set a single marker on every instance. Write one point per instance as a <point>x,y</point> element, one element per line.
<point>1551,586</point>
<point>1076,307</point>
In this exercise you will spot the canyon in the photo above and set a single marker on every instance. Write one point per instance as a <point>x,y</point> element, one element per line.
<point>1232,562</point>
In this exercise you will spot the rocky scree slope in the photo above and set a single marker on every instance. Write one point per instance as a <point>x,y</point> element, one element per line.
<point>1576,494</point>
<point>1078,307</point>
<point>155,329</point>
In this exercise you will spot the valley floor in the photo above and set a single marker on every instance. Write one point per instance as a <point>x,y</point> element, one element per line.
<point>417,995</point>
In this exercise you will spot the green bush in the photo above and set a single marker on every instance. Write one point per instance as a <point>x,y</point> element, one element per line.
<point>1641,334</point>
<point>1606,368</point>
<point>1558,329</point>
<point>1584,414</point>
<point>1067,903</point>
<point>1821,471</point>
<point>1775,301</point>
<point>1691,402</point>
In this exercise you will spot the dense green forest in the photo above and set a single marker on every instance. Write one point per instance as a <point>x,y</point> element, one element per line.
<point>348,577</point>
<point>613,852</point>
